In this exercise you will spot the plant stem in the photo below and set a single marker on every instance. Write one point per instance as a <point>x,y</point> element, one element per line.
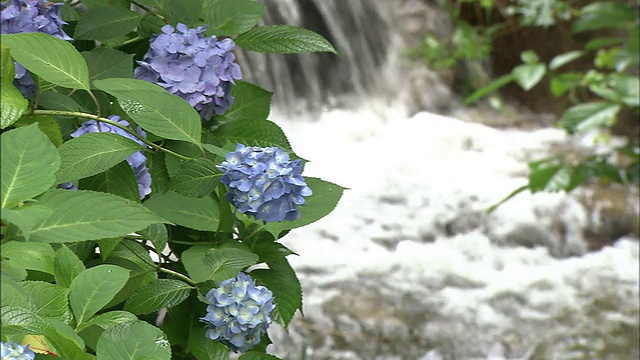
<point>111,122</point>
<point>177,274</point>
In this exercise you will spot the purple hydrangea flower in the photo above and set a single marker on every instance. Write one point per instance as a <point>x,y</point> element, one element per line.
<point>199,69</point>
<point>137,161</point>
<point>239,312</point>
<point>23,16</point>
<point>13,351</point>
<point>263,183</point>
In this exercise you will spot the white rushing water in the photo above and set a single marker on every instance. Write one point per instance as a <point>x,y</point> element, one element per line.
<point>409,266</point>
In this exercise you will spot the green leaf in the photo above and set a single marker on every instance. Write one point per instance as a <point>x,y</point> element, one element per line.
<point>47,125</point>
<point>12,103</point>
<point>195,213</point>
<point>107,63</point>
<point>529,57</point>
<point>489,88</point>
<point>205,263</point>
<point>249,132</point>
<point>565,58</point>
<point>548,175</point>
<point>93,288</point>
<point>109,319</point>
<point>587,116</point>
<point>51,300</point>
<point>232,17</point>
<point>21,321</point>
<point>202,347</point>
<point>601,42</point>
<point>158,171</point>
<point>182,11</point>
<point>256,355</point>
<point>157,234</point>
<point>281,279</point>
<point>93,153</point>
<point>268,250</point>
<point>528,75</point>
<point>31,256</point>
<point>66,266</point>
<point>52,59</point>
<point>154,108</point>
<point>150,25</point>
<point>52,100</point>
<point>13,293</point>
<point>7,67</point>
<point>76,217</point>
<point>26,217</point>
<point>119,180</point>
<point>133,340</point>
<point>604,14</point>
<point>249,102</point>
<point>283,39</point>
<point>564,82</point>
<point>324,199</point>
<point>156,295</point>
<point>67,343</point>
<point>106,22</point>
<point>107,246</point>
<point>29,163</point>
<point>196,178</point>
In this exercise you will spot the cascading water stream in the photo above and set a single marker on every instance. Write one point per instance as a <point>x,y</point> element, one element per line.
<point>409,265</point>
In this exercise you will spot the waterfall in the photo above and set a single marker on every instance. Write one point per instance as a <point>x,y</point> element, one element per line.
<point>370,36</point>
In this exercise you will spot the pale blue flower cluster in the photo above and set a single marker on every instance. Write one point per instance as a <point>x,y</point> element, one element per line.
<point>23,16</point>
<point>137,161</point>
<point>13,351</point>
<point>239,312</point>
<point>199,69</point>
<point>263,183</point>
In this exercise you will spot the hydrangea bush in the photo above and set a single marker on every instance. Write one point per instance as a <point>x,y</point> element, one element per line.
<point>144,190</point>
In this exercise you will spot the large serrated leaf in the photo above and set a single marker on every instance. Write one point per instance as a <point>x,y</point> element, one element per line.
<point>26,217</point>
<point>324,199</point>
<point>21,321</point>
<point>285,39</point>
<point>93,288</point>
<point>47,124</point>
<point>31,256</point>
<point>106,22</point>
<point>256,355</point>
<point>12,103</point>
<point>281,279</point>
<point>195,213</point>
<point>154,108</point>
<point>118,180</point>
<point>13,293</point>
<point>52,59</point>
<point>66,266</point>
<point>93,153</point>
<point>107,63</point>
<point>29,163</point>
<point>51,300</point>
<point>232,17</point>
<point>7,66</point>
<point>156,295</point>
<point>249,102</point>
<point>133,340</point>
<point>76,217</point>
<point>197,178</point>
<point>251,132</point>
<point>204,263</point>
<point>109,319</point>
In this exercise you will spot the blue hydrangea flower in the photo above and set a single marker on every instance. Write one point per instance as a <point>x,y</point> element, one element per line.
<point>23,16</point>
<point>137,161</point>
<point>263,183</point>
<point>199,69</point>
<point>68,186</point>
<point>239,313</point>
<point>14,351</point>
